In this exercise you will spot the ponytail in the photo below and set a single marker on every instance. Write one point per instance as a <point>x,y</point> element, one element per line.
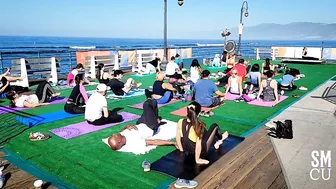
<point>10,95</point>
<point>98,73</point>
<point>192,113</point>
<point>79,78</point>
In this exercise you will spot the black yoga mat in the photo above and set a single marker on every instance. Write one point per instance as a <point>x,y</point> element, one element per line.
<point>178,165</point>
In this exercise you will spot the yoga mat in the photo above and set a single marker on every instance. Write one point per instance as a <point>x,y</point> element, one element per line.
<point>140,105</point>
<point>144,75</point>
<point>82,128</point>
<point>131,93</point>
<point>6,109</point>
<point>44,118</point>
<point>266,104</point>
<point>183,111</point>
<point>179,165</point>
<point>230,96</point>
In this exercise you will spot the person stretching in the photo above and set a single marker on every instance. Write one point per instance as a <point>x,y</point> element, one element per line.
<point>255,78</point>
<point>204,89</point>
<point>120,88</point>
<point>5,81</point>
<point>151,67</point>
<point>96,112</point>
<point>172,68</point>
<point>192,137</point>
<point>269,89</point>
<point>78,97</point>
<point>102,76</point>
<point>44,92</point>
<point>162,92</point>
<point>21,101</point>
<point>71,76</point>
<point>287,82</point>
<point>235,84</point>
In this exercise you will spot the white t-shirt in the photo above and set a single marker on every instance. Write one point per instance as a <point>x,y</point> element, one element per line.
<point>94,107</point>
<point>194,74</point>
<point>136,139</point>
<point>171,68</point>
<point>31,99</point>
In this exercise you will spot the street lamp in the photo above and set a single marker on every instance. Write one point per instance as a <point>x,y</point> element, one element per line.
<point>225,34</point>
<point>165,58</point>
<point>243,9</point>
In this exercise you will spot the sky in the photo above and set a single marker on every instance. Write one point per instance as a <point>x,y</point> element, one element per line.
<point>196,19</point>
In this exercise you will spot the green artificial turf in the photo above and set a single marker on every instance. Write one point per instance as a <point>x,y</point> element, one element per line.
<point>86,162</point>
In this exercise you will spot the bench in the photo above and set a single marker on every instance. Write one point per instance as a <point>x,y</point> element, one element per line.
<point>110,62</point>
<point>143,57</point>
<point>37,68</point>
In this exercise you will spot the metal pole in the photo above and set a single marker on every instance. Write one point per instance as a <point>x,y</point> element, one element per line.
<point>241,22</point>
<point>165,58</point>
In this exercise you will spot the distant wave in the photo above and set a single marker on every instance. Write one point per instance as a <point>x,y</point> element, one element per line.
<point>209,45</point>
<point>82,47</point>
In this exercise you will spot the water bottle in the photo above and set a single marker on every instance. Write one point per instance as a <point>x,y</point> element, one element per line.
<point>184,98</point>
<point>189,95</point>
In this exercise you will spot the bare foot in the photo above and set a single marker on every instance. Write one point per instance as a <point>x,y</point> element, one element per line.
<point>56,94</point>
<point>219,142</point>
<point>202,161</point>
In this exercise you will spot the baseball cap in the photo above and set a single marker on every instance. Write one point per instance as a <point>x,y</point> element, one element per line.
<point>101,87</point>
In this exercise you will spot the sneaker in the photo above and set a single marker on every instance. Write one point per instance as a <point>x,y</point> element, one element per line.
<point>38,136</point>
<point>146,165</point>
<point>183,183</point>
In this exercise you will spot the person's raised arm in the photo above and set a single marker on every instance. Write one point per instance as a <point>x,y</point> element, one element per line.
<point>262,68</point>
<point>83,92</point>
<point>4,87</point>
<point>216,91</point>
<point>198,151</point>
<point>168,87</point>
<point>276,92</point>
<point>178,135</point>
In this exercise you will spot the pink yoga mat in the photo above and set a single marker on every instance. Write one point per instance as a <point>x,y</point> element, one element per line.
<point>266,104</point>
<point>82,128</point>
<point>140,105</point>
<point>230,96</point>
<point>6,109</point>
<point>183,111</point>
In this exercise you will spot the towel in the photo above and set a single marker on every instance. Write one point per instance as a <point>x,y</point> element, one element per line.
<point>165,132</point>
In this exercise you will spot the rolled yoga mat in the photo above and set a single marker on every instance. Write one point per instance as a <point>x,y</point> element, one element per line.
<point>140,105</point>
<point>179,165</point>
<point>260,102</point>
<point>6,109</point>
<point>82,128</point>
<point>44,118</point>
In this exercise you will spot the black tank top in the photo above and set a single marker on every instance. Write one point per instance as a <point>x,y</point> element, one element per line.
<point>187,144</point>
<point>157,88</point>
<point>75,95</point>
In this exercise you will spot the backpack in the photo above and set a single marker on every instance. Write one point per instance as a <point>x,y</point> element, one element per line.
<point>282,130</point>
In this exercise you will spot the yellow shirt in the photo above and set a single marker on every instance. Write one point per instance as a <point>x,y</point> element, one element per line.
<point>192,134</point>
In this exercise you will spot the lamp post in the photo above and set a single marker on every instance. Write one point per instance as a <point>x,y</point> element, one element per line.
<point>243,9</point>
<point>165,56</point>
<point>225,34</point>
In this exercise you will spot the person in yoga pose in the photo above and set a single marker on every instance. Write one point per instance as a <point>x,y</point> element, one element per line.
<point>287,82</point>
<point>120,88</point>
<point>193,138</point>
<point>152,66</point>
<point>223,58</point>
<point>5,82</point>
<point>96,112</point>
<point>195,71</point>
<point>269,88</point>
<point>241,69</point>
<point>204,90</point>
<point>255,78</point>
<point>78,97</point>
<point>71,76</point>
<point>103,76</point>
<point>21,101</point>
<point>172,68</point>
<point>235,84</point>
<point>45,92</point>
<point>162,92</point>
<point>216,61</point>
<point>305,57</point>
<point>230,62</point>
<point>178,61</point>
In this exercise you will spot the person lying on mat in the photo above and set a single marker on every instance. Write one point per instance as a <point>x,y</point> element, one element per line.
<point>96,112</point>
<point>103,76</point>
<point>162,92</point>
<point>5,81</point>
<point>21,101</point>
<point>78,97</point>
<point>204,90</point>
<point>235,84</point>
<point>120,88</point>
<point>287,82</point>
<point>255,78</point>
<point>45,92</point>
<point>151,67</point>
<point>269,89</point>
<point>193,138</point>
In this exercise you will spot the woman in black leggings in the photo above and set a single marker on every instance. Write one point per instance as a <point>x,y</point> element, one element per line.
<point>78,97</point>
<point>44,92</point>
<point>193,138</point>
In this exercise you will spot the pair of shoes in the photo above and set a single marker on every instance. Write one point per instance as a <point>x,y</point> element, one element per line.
<point>240,99</point>
<point>38,136</point>
<point>183,183</point>
<point>302,88</point>
<point>146,165</point>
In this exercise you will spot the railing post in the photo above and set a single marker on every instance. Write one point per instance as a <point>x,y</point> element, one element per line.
<point>54,70</point>
<point>116,62</point>
<point>93,68</point>
<point>139,62</point>
<point>2,67</point>
<point>258,56</point>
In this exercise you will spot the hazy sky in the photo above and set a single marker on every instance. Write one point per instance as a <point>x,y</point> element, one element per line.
<point>196,19</point>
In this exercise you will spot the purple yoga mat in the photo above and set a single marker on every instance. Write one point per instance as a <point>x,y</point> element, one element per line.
<point>230,96</point>
<point>7,109</point>
<point>140,105</point>
<point>266,104</point>
<point>82,128</point>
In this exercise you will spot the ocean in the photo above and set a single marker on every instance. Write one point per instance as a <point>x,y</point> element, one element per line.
<point>25,47</point>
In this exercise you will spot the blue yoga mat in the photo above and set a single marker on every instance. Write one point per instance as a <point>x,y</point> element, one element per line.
<point>44,118</point>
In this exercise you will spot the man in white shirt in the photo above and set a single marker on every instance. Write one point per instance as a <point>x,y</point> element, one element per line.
<point>172,67</point>
<point>96,112</point>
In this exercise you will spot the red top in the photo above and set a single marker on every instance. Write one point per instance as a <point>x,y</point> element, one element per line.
<point>241,70</point>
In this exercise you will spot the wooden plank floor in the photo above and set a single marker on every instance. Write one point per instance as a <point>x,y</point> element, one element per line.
<point>252,164</point>
<point>17,178</point>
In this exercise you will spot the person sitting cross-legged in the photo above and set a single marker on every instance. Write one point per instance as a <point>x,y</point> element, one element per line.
<point>269,89</point>
<point>162,92</point>
<point>204,90</point>
<point>235,85</point>
<point>96,112</point>
<point>193,138</point>
<point>120,88</point>
<point>78,97</point>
